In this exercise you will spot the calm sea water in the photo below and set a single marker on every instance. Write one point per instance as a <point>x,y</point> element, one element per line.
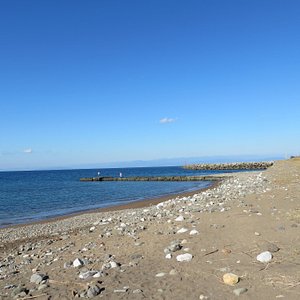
<point>36,195</point>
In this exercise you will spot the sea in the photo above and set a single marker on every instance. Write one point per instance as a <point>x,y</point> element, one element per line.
<point>28,196</point>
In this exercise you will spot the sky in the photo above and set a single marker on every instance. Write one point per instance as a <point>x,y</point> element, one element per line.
<point>99,81</point>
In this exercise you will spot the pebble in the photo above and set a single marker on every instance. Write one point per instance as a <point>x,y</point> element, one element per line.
<point>113,264</point>
<point>264,257</point>
<point>182,230</point>
<point>18,290</point>
<point>78,263</point>
<point>194,231</point>
<point>43,286</point>
<point>88,274</point>
<point>184,257</point>
<point>93,291</point>
<point>137,291</point>
<point>226,251</point>
<point>173,272</point>
<point>121,290</point>
<point>179,219</point>
<point>9,286</point>
<point>68,265</point>
<point>160,274</point>
<point>37,278</point>
<point>99,274</point>
<point>240,291</point>
<point>230,279</point>
<point>173,247</point>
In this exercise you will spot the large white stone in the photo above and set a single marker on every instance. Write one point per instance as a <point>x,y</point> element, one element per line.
<point>184,257</point>
<point>264,257</point>
<point>77,263</point>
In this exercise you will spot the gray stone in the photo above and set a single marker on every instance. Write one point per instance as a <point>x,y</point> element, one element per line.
<point>88,274</point>
<point>93,291</point>
<point>21,295</point>
<point>37,278</point>
<point>9,286</point>
<point>68,264</point>
<point>136,256</point>
<point>18,290</point>
<point>173,247</point>
<point>240,291</point>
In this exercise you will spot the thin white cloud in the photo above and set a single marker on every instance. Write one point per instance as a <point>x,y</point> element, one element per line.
<point>167,120</point>
<point>27,151</point>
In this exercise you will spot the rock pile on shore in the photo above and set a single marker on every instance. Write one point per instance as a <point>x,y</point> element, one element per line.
<point>232,166</point>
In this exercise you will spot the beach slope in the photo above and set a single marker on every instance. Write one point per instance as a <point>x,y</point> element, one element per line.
<point>238,239</point>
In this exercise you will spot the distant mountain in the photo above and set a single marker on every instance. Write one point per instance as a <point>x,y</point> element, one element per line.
<point>181,161</point>
<point>178,161</point>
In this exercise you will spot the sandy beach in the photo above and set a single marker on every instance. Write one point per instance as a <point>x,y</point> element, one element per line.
<point>238,239</point>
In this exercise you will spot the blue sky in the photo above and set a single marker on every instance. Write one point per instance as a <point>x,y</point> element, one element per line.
<point>85,82</point>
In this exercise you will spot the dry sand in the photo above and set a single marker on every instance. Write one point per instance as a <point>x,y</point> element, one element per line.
<point>233,223</point>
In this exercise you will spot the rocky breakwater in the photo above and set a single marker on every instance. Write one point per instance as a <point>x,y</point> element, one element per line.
<point>231,166</point>
<point>155,178</point>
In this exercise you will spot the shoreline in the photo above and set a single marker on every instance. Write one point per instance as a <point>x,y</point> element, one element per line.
<point>120,207</point>
<point>181,248</point>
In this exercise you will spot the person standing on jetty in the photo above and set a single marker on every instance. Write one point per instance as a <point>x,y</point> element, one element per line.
<point>121,175</point>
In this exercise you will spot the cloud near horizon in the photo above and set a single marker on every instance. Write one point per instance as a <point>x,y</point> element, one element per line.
<point>167,120</point>
<point>27,151</point>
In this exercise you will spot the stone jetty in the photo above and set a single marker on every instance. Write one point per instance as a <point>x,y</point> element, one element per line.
<point>154,178</point>
<point>231,166</point>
